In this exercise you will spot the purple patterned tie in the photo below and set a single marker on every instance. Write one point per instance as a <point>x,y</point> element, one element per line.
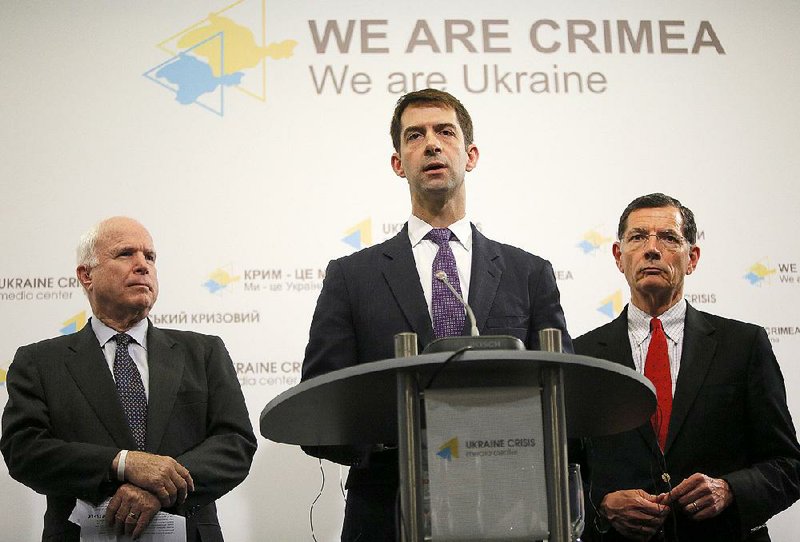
<point>448,312</point>
<point>130,389</point>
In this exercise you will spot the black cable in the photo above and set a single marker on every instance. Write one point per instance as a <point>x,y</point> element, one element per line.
<point>438,370</point>
<point>311,510</point>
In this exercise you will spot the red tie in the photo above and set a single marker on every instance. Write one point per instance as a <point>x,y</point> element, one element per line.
<point>656,368</point>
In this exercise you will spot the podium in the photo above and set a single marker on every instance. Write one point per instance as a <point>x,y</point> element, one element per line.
<point>378,403</point>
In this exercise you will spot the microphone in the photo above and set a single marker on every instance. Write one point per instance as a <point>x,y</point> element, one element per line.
<point>474,341</point>
<point>442,277</point>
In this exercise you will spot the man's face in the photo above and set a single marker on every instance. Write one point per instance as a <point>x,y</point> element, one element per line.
<point>123,285</point>
<point>432,153</point>
<point>653,269</point>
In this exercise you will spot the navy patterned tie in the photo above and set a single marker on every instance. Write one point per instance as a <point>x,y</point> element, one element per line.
<point>130,389</point>
<point>447,310</point>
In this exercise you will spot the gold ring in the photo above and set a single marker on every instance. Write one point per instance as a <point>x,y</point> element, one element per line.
<point>694,503</point>
<point>132,515</point>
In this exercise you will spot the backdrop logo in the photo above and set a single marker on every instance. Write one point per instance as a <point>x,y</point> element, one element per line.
<point>74,323</point>
<point>612,305</point>
<point>226,49</point>
<point>449,449</point>
<point>758,272</point>
<point>592,241</point>
<point>360,235</point>
<point>3,371</point>
<point>219,279</point>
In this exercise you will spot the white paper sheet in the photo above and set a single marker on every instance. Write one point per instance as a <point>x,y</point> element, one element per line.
<point>163,527</point>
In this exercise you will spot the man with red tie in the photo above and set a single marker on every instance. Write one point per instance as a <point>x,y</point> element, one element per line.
<point>719,456</point>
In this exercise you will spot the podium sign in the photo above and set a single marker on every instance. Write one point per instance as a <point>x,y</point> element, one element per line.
<point>486,464</point>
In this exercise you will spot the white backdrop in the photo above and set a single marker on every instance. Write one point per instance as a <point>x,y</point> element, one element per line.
<point>265,174</point>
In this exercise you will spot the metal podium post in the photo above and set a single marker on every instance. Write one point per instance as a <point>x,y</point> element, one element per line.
<point>555,436</point>
<point>408,443</point>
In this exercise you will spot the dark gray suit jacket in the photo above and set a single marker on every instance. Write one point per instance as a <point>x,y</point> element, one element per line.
<point>63,423</point>
<point>371,295</point>
<point>729,420</point>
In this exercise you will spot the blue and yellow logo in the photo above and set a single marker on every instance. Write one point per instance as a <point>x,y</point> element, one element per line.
<point>360,235</point>
<point>217,52</point>
<point>219,279</point>
<point>74,323</point>
<point>3,373</point>
<point>758,272</point>
<point>612,305</point>
<point>449,449</point>
<point>593,241</point>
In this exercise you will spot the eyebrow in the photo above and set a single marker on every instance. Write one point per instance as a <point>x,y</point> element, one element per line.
<point>437,127</point>
<point>647,230</point>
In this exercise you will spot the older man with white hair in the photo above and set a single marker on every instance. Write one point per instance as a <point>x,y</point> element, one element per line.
<point>153,419</point>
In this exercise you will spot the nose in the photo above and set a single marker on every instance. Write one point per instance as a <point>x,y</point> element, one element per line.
<point>141,264</point>
<point>651,248</point>
<point>432,145</point>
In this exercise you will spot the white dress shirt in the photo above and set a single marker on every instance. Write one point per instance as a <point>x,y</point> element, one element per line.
<point>672,321</point>
<point>425,251</point>
<point>137,349</point>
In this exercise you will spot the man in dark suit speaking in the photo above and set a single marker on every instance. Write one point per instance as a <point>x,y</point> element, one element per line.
<point>390,288</point>
<point>152,418</point>
<point>720,455</point>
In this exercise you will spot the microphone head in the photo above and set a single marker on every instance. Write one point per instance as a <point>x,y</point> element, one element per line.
<point>441,275</point>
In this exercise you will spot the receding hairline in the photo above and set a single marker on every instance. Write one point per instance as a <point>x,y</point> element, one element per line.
<point>87,245</point>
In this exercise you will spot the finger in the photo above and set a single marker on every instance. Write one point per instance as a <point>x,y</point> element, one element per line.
<point>172,492</point>
<point>164,498</point>
<point>131,521</point>
<point>187,477</point>
<point>144,521</point>
<point>111,510</point>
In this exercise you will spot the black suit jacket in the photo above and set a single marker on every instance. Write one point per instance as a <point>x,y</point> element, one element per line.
<point>63,423</point>
<point>371,295</point>
<point>729,420</point>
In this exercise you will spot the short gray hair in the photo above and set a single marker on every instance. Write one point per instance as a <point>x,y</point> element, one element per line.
<point>86,253</point>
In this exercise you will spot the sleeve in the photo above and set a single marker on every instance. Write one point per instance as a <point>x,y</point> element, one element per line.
<point>546,311</point>
<point>332,345</point>
<point>772,482</point>
<point>35,454</point>
<point>332,337</point>
<point>222,460</point>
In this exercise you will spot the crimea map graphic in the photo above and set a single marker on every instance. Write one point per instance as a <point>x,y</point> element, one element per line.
<point>216,53</point>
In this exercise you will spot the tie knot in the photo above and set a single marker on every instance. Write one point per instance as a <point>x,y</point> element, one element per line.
<point>122,339</point>
<point>655,324</point>
<point>440,236</point>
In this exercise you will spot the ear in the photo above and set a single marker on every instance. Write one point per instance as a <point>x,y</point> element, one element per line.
<point>617,251</point>
<point>694,257</point>
<point>397,165</point>
<point>84,274</point>
<point>472,157</point>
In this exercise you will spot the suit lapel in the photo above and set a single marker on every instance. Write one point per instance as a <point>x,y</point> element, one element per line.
<point>88,367</point>
<point>484,277</point>
<point>618,344</point>
<point>698,352</point>
<point>400,271</point>
<point>165,361</point>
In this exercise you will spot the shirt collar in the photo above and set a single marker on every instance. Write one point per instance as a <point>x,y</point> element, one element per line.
<point>418,229</point>
<point>639,321</point>
<point>104,333</point>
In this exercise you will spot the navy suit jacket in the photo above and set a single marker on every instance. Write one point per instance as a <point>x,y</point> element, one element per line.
<point>63,423</point>
<point>729,420</point>
<point>371,295</point>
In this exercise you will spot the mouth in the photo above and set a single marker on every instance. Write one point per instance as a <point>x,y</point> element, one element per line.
<point>140,285</point>
<point>435,167</point>
<point>651,271</point>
